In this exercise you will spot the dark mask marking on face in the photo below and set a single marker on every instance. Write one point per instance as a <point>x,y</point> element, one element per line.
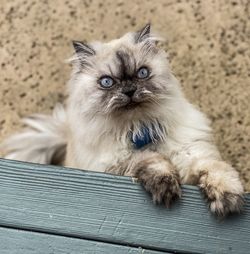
<point>127,65</point>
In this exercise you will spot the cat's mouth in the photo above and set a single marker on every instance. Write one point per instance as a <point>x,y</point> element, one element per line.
<point>131,105</point>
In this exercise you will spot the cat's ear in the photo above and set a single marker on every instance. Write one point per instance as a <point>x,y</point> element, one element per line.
<point>83,48</point>
<point>143,34</point>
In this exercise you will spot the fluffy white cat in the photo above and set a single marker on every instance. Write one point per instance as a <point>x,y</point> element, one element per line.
<point>126,115</point>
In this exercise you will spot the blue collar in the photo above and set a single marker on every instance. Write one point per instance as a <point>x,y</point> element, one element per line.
<point>147,135</point>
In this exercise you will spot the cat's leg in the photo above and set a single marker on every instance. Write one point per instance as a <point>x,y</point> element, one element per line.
<point>221,185</point>
<point>218,180</point>
<point>155,172</point>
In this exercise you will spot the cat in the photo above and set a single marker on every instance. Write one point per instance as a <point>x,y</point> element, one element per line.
<point>127,115</point>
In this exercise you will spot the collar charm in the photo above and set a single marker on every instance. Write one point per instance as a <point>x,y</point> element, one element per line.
<point>147,135</point>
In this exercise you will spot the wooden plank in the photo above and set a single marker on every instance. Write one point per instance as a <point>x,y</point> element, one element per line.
<point>15,241</point>
<point>113,209</point>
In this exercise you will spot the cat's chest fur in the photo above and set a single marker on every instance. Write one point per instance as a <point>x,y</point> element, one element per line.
<point>97,157</point>
<point>106,151</point>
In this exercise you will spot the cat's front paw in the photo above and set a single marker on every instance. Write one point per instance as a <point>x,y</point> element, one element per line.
<point>164,185</point>
<point>223,203</point>
<point>226,203</point>
<point>222,189</point>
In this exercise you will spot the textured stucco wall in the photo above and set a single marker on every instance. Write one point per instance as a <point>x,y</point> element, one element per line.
<point>208,44</point>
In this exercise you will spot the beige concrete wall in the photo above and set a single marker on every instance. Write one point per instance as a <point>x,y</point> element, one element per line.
<point>208,44</point>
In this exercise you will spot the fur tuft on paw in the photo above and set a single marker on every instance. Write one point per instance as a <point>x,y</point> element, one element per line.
<point>226,204</point>
<point>222,187</point>
<point>222,201</point>
<point>164,186</point>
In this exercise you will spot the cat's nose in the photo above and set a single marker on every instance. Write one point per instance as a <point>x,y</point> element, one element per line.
<point>130,93</point>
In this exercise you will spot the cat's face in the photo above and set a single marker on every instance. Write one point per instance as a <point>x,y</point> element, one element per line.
<point>128,76</point>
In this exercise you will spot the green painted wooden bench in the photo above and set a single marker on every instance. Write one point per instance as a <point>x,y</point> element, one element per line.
<point>55,210</point>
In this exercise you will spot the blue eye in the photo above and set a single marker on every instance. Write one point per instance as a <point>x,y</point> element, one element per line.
<point>106,82</point>
<point>142,73</point>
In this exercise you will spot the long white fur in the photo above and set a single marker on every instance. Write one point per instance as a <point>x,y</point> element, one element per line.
<point>45,135</point>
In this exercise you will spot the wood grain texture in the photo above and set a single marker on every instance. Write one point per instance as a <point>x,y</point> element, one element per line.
<point>24,242</point>
<point>113,209</point>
